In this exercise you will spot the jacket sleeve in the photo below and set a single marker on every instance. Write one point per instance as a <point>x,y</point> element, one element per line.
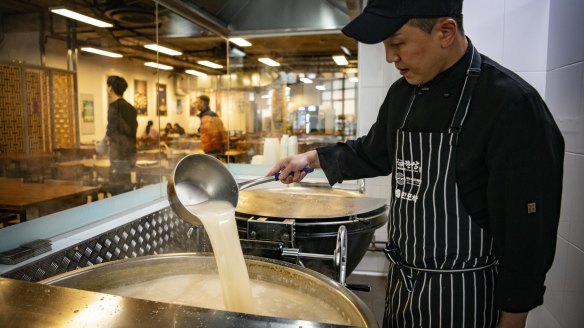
<point>365,157</point>
<point>525,163</point>
<point>112,121</point>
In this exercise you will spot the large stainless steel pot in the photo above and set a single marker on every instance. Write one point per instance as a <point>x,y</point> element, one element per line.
<point>318,288</point>
<point>308,218</point>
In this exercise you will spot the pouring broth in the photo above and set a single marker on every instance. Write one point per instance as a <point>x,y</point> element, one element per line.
<point>218,218</point>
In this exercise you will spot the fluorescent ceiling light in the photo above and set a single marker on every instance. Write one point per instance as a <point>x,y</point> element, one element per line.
<point>162,49</point>
<point>354,79</point>
<point>195,73</point>
<point>240,42</point>
<point>340,60</point>
<point>80,17</point>
<point>269,62</point>
<point>320,87</point>
<point>305,80</point>
<point>159,66</point>
<point>102,52</point>
<point>209,64</point>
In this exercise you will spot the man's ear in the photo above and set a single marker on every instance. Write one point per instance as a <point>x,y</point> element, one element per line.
<point>448,29</point>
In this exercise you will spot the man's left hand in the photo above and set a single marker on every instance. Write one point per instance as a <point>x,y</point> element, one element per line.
<point>512,320</point>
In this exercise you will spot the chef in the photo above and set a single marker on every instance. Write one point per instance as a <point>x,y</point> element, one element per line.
<point>476,162</point>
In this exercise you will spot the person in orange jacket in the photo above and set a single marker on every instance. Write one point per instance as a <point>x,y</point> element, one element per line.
<point>214,137</point>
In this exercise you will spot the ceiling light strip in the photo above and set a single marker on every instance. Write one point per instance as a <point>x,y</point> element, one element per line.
<point>209,64</point>
<point>240,42</point>
<point>164,50</point>
<point>80,17</point>
<point>159,66</point>
<point>269,62</point>
<point>341,60</point>
<point>101,52</point>
<point>195,73</point>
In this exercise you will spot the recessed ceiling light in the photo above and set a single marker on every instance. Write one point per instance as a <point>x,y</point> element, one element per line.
<point>164,50</point>
<point>305,80</point>
<point>240,42</point>
<point>80,17</point>
<point>101,52</point>
<point>159,66</point>
<point>340,60</point>
<point>209,64</point>
<point>269,62</point>
<point>195,73</point>
<point>320,87</point>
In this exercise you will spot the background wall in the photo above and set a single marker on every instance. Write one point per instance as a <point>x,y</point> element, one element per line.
<point>541,41</point>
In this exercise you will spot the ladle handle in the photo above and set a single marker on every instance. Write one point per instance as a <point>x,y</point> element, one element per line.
<point>275,177</point>
<point>305,170</point>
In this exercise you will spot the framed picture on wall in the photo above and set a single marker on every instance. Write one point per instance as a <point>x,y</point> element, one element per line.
<point>179,107</point>
<point>87,125</point>
<point>141,97</point>
<point>162,104</point>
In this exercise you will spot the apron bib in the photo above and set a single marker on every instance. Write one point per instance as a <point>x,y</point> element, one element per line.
<point>442,270</point>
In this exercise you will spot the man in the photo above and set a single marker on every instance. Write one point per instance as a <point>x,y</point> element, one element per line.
<point>476,161</point>
<point>213,134</point>
<point>121,134</point>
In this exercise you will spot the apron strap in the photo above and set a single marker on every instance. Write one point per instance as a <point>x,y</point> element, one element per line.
<point>472,76</point>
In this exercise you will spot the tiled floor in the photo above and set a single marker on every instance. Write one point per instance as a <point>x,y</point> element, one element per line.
<point>375,298</point>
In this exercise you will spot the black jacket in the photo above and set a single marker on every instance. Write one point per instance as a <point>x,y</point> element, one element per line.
<point>510,154</point>
<point>121,129</point>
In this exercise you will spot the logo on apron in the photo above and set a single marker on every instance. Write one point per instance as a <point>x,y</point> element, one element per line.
<point>408,196</point>
<point>401,180</point>
<point>407,165</point>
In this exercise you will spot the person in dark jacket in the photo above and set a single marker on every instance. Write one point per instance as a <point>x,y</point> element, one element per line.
<point>121,134</point>
<point>476,160</point>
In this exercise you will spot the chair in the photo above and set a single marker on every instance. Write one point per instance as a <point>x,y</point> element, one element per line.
<point>146,175</point>
<point>7,218</point>
<point>102,179</point>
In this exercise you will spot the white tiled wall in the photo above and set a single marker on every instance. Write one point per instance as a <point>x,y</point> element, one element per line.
<point>542,41</point>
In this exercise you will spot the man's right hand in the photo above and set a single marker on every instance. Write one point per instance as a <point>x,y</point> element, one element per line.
<point>291,168</point>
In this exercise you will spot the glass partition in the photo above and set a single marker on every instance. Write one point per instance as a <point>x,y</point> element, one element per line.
<point>56,103</point>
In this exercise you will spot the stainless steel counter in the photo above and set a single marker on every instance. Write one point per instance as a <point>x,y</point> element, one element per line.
<point>26,304</point>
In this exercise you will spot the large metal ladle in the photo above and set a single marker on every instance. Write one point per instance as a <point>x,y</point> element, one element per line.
<point>198,178</point>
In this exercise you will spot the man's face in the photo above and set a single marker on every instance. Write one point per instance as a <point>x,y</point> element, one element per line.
<point>417,55</point>
<point>198,105</point>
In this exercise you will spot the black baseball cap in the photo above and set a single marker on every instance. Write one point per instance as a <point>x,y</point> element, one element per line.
<point>382,18</point>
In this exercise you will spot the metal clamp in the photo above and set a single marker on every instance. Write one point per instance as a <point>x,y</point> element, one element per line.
<point>264,229</point>
<point>339,256</point>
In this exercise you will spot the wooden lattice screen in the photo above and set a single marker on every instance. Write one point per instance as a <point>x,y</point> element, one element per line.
<point>64,110</point>
<point>25,117</point>
<point>11,118</point>
<point>38,111</point>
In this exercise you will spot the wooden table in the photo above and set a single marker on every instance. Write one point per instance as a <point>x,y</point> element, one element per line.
<point>46,198</point>
<point>25,164</point>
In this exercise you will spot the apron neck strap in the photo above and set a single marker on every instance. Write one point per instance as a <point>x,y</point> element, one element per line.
<point>472,75</point>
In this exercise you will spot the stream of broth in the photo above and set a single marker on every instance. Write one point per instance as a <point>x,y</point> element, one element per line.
<point>218,218</point>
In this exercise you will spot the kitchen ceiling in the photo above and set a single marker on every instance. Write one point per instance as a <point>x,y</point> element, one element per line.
<point>302,35</point>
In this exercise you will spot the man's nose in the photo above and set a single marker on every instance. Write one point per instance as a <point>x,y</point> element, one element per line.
<point>391,56</point>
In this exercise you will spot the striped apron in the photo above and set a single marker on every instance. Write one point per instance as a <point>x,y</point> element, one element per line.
<point>442,268</point>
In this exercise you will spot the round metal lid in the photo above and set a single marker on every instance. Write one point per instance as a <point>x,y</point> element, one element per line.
<point>305,203</point>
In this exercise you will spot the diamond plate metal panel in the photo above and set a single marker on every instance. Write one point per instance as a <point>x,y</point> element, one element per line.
<point>157,233</point>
